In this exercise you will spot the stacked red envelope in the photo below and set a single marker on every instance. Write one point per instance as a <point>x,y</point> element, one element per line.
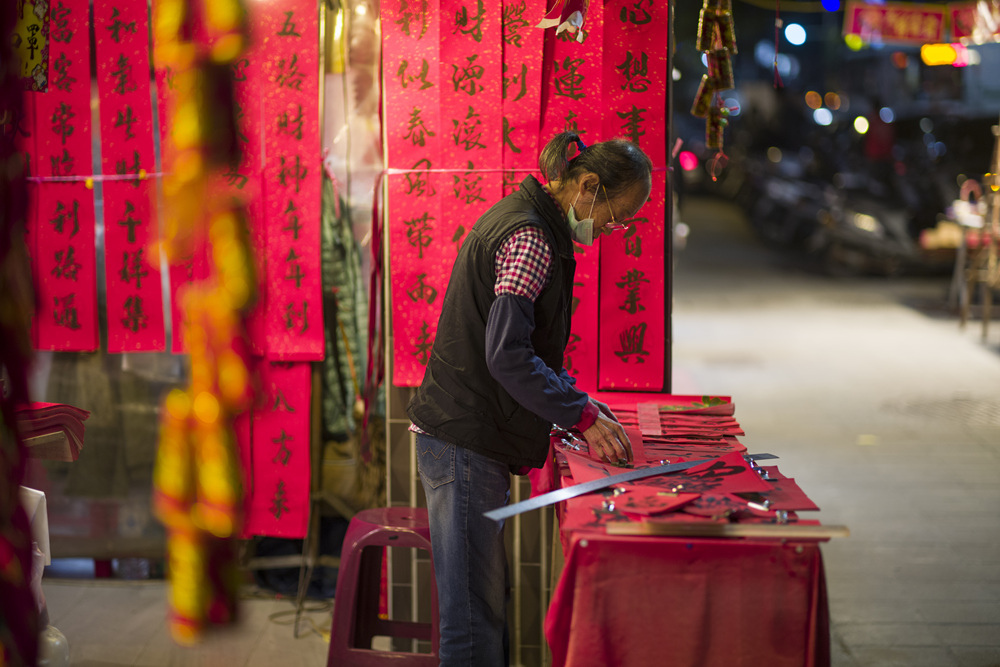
<point>52,431</point>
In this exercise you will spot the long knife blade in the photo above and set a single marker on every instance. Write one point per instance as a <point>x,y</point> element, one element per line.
<point>560,495</point>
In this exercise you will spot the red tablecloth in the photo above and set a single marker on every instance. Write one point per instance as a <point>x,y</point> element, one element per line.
<point>683,602</point>
<point>647,601</point>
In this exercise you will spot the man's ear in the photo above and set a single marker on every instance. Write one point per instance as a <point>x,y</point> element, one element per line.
<point>589,183</point>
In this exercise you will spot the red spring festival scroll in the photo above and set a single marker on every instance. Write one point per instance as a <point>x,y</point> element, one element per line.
<point>63,234</point>
<point>134,293</point>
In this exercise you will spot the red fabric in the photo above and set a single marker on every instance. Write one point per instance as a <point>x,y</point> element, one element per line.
<point>658,601</point>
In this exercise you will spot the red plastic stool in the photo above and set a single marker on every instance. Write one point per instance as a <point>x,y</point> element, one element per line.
<point>356,602</point>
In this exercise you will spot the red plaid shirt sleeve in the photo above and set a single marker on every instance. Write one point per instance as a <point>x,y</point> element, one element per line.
<point>523,263</point>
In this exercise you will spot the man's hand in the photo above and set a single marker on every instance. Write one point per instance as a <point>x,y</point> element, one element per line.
<point>608,441</point>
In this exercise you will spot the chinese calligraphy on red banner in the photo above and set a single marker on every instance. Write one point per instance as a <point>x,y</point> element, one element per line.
<point>609,84</point>
<point>411,37</point>
<point>277,485</point>
<point>134,292</point>
<point>632,333</point>
<point>64,235</point>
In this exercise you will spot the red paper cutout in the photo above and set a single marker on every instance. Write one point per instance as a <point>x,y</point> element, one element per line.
<point>277,494</point>
<point>65,257</point>
<point>645,501</point>
<point>134,292</point>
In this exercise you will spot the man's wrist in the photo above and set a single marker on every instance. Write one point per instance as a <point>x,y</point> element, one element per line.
<point>589,416</point>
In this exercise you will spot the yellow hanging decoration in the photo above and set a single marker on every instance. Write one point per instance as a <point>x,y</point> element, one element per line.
<point>197,482</point>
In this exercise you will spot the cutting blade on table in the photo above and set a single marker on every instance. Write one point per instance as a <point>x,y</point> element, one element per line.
<point>560,495</point>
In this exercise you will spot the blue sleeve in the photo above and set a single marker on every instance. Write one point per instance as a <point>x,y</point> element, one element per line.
<point>513,363</point>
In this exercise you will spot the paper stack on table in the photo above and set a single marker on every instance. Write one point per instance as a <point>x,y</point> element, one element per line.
<point>52,431</point>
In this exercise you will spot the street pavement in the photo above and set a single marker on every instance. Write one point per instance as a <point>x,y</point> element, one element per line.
<point>885,412</point>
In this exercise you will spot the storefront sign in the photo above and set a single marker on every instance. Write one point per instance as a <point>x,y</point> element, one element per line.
<point>897,23</point>
<point>978,22</point>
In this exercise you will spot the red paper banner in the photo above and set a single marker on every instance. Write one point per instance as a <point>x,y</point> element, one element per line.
<point>572,97</point>
<point>65,254</point>
<point>900,23</point>
<point>572,101</point>
<point>523,47</point>
<point>277,490</point>
<point>410,42</point>
<point>286,35</point>
<point>632,334</point>
<point>134,292</point>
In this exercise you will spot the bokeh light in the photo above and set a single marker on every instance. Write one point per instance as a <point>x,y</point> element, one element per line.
<point>688,160</point>
<point>823,116</point>
<point>861,125</point>
<point>832,100</point>
<point>795,34</point>
<point>813,100</point>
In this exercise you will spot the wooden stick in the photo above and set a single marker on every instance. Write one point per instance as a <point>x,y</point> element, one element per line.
<point>771,530</point>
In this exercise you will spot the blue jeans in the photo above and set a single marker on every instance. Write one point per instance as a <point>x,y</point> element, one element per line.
<point>470,563</point>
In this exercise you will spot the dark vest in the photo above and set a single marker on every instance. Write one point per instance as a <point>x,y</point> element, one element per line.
<point>459,401</point>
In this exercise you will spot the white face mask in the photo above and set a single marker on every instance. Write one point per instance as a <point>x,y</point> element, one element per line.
<point>582,231</point>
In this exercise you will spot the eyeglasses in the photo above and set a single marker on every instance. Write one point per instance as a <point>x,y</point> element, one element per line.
<point>614,225</point>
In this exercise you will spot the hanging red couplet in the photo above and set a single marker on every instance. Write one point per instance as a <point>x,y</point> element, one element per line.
<point>410,44</point>
<point>134,293</point>
<point>572,99</point>
<point>522,88</point>
<point>632,338</point>
<point>65,255</point>
<point>287,36</point>
<point>277,484</point>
